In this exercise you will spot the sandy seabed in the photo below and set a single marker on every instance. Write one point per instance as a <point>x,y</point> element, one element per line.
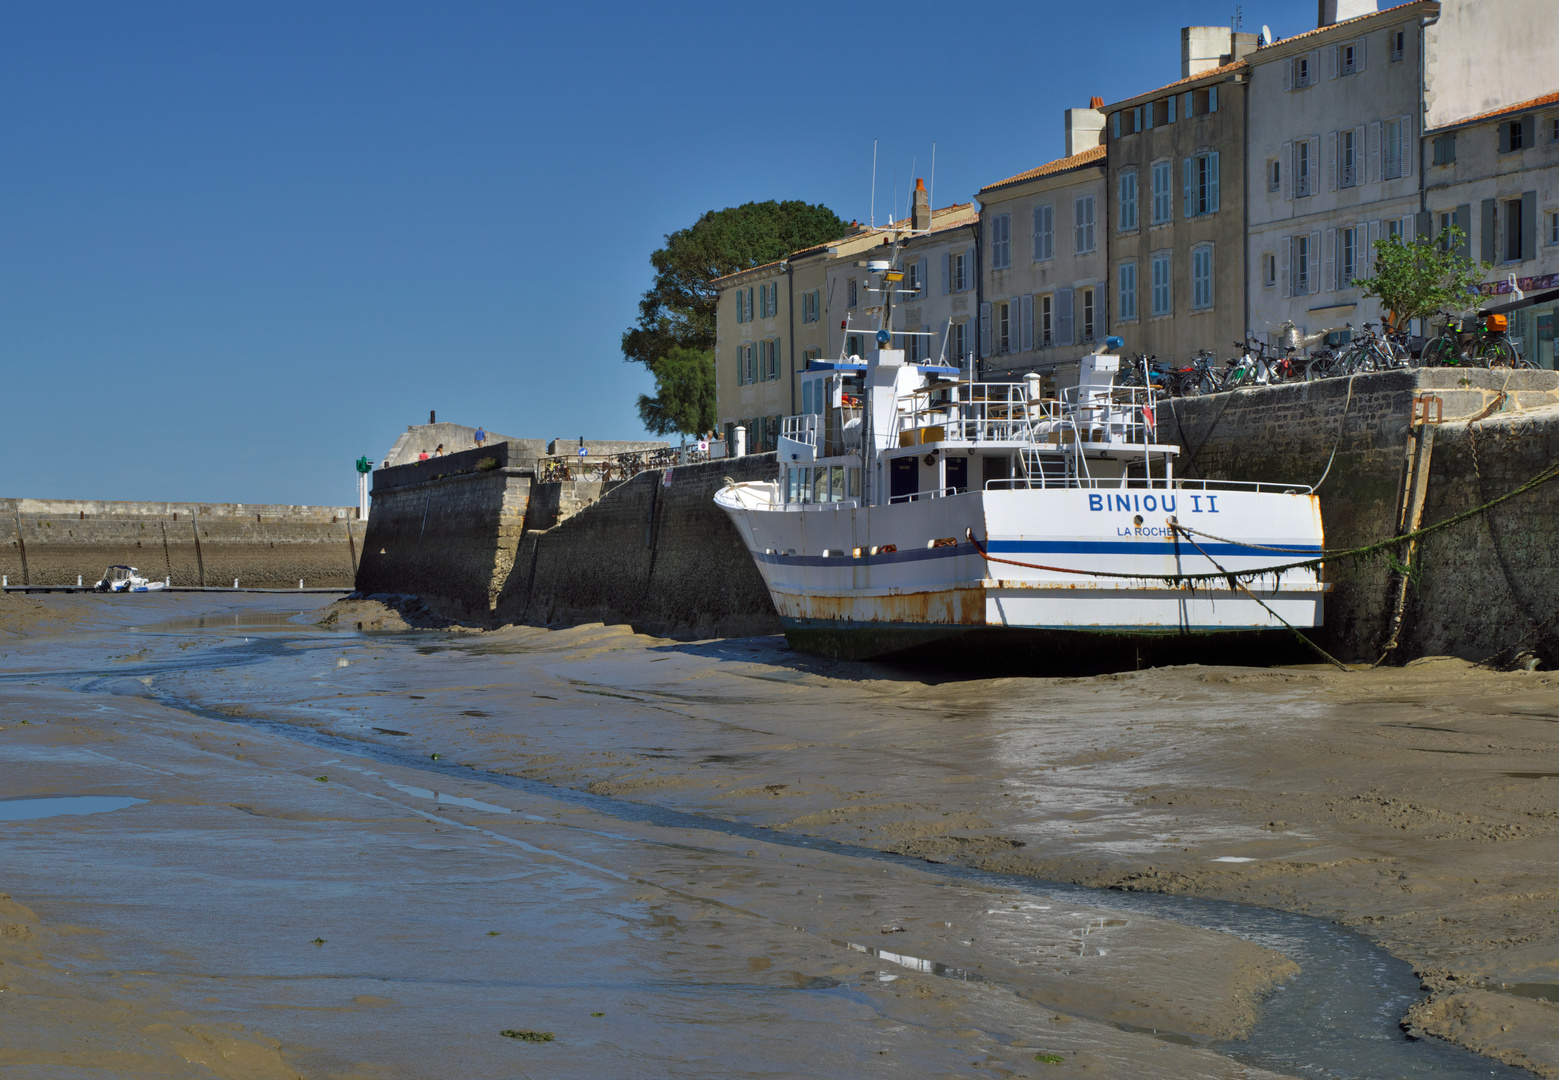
<point>371,852</point>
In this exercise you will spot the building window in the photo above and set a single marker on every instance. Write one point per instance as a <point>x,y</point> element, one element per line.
<point>960,341</point>
<point>1003,328</point>
<point>1304,170</point>
<point>1088,316</point>
<point>1301,265</point>
<point>1302,71</point>
<point>1001,241</point>
<point>1513,223</point>
<point>850,293</point>
<point>912,280</point>
<point>1348,163</point>
<point>1269,269</point>
<point>1127,304</point>
<point>1445,149</point>
<point>1347,257</point>
<point>1201,278</point>
<point>1391,135</point>
<point>961,270</point>
<point>1201,185</point>
<point>752,362</point>
<point>1394,227</point>
<point>853,345</point>
<point>913,349</point>
<point>1046,323</point>
<point>1163,199</point>
<point>771,359</point>
<point>1513,136</point>
<point>1554,133</point>
<point>1274,175</point>
<point>1128,200</point>
<point>1398,45</point>
<point>1082,213</point>
<point>1162,296</point>
<point>1553,227</point>
<point>1044,233</point>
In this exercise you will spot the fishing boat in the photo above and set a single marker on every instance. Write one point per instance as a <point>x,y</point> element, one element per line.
<point>120,578</point>
<point>918,510</point>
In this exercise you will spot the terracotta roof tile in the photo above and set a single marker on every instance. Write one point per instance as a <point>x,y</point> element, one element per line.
<point>1088,157</point>
<point>1225,69</point>
<point>1346,22</point>
<point>940,213</point>
<point>1503,110</point>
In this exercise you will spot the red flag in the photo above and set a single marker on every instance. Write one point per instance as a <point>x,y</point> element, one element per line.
<point>1148,417</point>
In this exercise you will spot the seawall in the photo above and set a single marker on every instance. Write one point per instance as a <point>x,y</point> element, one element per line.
<point>1462,601</point>
<point>52,541</point>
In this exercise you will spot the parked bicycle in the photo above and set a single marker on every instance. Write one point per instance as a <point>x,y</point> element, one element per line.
<point>1478,340</point>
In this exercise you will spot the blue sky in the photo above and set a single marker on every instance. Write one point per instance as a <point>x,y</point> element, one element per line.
<point>241,245</point>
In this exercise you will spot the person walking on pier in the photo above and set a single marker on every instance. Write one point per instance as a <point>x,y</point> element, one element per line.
<point>481,437</point>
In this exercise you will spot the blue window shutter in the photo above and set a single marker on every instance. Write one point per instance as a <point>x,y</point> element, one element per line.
<point>925,270</point>
<point>1212,182</point>
<point>1190,186</point>
<point>947,273</point>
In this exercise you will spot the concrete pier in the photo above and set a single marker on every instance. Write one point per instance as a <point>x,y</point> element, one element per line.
<point>271,546</point>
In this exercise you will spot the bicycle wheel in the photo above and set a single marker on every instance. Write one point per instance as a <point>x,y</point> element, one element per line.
<point>1498,352</point>
<point>1441,352</point>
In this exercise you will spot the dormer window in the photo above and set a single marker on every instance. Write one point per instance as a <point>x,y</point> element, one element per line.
<point>1303,75</point>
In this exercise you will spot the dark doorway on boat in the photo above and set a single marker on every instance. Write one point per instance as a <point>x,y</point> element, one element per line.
<point>958,473</point>
<point>995,468</point>
<point>904,477</point>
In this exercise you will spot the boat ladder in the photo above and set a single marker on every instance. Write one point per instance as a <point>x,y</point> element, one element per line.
<point>1045,470</point>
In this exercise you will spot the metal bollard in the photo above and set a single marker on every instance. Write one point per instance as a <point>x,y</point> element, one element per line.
<point>235,583</point>
<point>300,583</point>
<point>78,581</point>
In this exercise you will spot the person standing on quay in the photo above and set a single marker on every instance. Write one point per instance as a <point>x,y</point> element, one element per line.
<point>481,437</point>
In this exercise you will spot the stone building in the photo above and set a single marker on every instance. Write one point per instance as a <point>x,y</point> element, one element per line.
<point>1046,265</point>
<point>1336,158</point>
<point>1176,218</point>
<point>1496,175</point>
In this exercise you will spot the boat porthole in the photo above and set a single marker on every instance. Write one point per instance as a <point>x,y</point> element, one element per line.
<point>1137,521</point>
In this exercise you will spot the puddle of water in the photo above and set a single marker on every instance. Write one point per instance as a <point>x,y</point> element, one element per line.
<point>1540,991</point>
<point>29,809</point>
<point>1234,858</point>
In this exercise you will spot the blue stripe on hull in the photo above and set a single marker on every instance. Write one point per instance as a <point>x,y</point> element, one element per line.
<point>1151,548</point>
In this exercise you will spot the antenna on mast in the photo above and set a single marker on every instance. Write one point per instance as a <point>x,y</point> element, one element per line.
<point>931,192</point>
<point>873,218</point>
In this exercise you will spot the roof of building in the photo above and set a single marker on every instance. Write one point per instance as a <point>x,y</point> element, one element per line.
<point>1345,22</point>
<point>1060,165</point>
<point>864,231</point>
<point>1211,73</point>
<point>1503,110</point>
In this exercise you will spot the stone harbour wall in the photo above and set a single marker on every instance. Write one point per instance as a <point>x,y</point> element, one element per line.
<point>53,541</point>
<point>1287,434</point>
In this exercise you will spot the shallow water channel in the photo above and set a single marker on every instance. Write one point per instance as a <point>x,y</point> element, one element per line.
<point>1337,1018</point>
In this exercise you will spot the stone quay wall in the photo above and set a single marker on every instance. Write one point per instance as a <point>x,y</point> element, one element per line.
<point>1461,600</point>
<point>53,541</point>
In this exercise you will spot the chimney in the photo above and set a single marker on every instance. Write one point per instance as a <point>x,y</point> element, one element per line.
<point>920,216</point>
<point>1084,128</point>
<point>1336,11</point>
<point>1203,48</point>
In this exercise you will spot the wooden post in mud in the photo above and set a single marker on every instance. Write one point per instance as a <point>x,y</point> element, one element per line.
<point>21,546</point>
<point>200,562</point>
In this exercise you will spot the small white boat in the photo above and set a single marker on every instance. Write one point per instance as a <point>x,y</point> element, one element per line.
<point>916,510</point>
<point>120,578</point>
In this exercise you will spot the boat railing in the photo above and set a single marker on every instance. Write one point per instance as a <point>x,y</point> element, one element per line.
<point>1137,483</point>
<point>802,428</point>
<point>934,493</point>
<point>1108,414</point>
<point>978,412</point>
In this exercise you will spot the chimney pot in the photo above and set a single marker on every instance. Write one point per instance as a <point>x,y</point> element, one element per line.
<point>1096,102</point>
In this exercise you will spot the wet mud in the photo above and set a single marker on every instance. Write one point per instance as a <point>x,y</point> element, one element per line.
<point>377,850</point>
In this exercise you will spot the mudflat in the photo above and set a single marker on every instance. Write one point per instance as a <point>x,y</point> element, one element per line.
<point>372,853</point>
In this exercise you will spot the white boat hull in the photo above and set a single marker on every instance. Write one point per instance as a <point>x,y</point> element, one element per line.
<point>860,581</point>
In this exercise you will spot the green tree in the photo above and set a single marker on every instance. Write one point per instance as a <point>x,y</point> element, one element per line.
<point>1415,279</point>
<point>684,401</point>
<point>678,310</point>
